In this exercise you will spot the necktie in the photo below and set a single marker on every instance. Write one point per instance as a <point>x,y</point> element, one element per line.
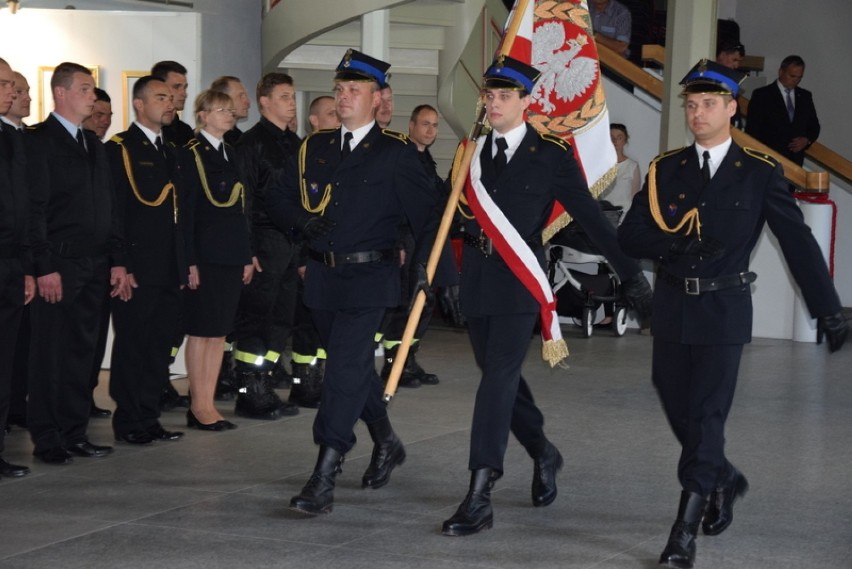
<point>791,110</point>
<point>80,139</point>
<point>705,168</point>
<point>500,156</point>
<point>222,151</point>
<point>159,144</point>
<point>347,148</point>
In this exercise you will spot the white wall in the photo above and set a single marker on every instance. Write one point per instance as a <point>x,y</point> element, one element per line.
<point>114,41</point>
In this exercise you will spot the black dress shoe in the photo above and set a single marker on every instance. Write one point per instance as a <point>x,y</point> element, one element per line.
<point>55,455</point>
<point>544,476</point>
<point>720,508</point>
<point>12,470</point>
<point>135,438</point>
<point>191,421</point>
<point>87,449</point>
<point>99,412</point>
<point>159,433</point>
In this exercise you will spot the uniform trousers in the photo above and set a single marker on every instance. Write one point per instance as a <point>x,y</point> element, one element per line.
<point>696,385</point>
<point>306,341</point>
<point>351,388</point>
<point>144,328</point>
<point>504,401</point>
<point>11,308</point>
<point>265,316</point>
<point>20,369</point>
<point>62,350</point>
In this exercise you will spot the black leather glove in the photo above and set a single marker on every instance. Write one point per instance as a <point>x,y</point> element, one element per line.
<point>317,226</point>
<point>639,297</point>
<point>835,329</point>
<point>707,247</point>
<point>451,306</point>
<point>420,281</point>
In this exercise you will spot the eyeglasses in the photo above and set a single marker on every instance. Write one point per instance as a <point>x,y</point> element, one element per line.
<point>232,112</point>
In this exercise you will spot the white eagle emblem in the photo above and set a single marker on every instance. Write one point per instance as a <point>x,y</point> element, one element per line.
<point>562,72</point>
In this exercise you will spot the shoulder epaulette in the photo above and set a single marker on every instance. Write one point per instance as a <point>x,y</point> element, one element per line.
<point>668,153</point>
<point>33,126</point>
<point>116,139</point>
<point>395,134</point>
<point>555,140</point>
<point>192,144</point>
<point>762,156</point>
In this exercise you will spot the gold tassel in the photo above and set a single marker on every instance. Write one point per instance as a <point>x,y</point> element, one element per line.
<point>554,351</point>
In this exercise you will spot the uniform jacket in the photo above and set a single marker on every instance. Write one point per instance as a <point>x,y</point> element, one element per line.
<point>153,236</point>
<point>213,234</point>
<point>540,172</point>
<point>769,122</point>
<point>71,195</point>
<point>14,204</point>
<point>262,156</point>
<point>747,191</point>
<point>374,189</point>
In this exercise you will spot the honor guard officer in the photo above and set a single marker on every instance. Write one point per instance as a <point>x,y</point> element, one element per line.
<point>699,216</point>
<point>519,173</point>
<point>16,279</point>
<point>348,194</point>
<point>267,305</point>
<point>77,253</point>
<point>149,193</point>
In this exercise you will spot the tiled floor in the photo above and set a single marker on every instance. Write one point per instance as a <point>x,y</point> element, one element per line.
<point>220,499</point>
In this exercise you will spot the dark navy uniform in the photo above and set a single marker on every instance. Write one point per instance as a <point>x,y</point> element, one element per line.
<point>149,197</point>
<point>73,231</point>
<point>500,310</point>
<point>698,338</point>
<point>178,133</point>
<point>14,257</point>
<point>367,194</point>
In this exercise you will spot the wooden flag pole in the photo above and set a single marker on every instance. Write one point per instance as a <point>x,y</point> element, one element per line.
<point>447,218</point>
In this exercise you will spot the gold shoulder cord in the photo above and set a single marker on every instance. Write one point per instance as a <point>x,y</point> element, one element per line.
<point>690,218</point>
<point>237,192</point>
<point>170,187</point>
<point>462,204</point>
<point>306,200</point>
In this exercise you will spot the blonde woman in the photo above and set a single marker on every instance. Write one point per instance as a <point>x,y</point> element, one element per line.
<point>218,253</point>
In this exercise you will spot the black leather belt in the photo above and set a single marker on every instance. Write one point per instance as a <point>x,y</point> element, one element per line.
<point>332,259</point>
<point>72,250</point>
<point>695,286</point>
<point>486,245</point>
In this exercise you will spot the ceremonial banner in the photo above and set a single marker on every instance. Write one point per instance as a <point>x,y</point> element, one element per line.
<point>568,101</point>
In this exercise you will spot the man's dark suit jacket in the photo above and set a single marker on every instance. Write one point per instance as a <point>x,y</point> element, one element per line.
<point>769,122</point>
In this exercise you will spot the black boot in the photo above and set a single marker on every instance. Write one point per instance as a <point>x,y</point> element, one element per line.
<point>720,506</point>
<point>388,453</point>
<point>406,378</point>
<point>414,368</point>
<point>475,513</point>
<point>280,378</point>
<point>544,475</point>
<point>317,497</point>
<point>257,399</point>
<point>680,549</point>
<point>227,384</point>
<point>306,390</point>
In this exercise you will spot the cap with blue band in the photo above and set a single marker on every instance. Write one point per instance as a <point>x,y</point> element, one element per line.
<point>711,77</point>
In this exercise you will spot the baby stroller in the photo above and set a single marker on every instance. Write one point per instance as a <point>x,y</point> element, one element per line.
<point>583,280</point>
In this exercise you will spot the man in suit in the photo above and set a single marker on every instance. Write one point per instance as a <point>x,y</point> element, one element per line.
<point>782,114</point>
<point>77,253</point>
<point>14,128</point>
<point>16,281</point>
<point>517,174</point>
<point>267,306</point>
<point>148,184</point>
<point>347,195</point>
<point>699,216</point>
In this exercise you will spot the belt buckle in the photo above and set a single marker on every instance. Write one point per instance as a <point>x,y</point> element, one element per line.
<point>486,246</point>
<point>692,286</point>
<point>328,258</point>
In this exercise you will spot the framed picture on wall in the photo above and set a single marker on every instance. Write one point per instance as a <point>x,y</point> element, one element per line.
<point>128,79</point>
<point>45,95</point>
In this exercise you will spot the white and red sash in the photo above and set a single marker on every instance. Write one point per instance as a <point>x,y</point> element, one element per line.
<point>518,256</point>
